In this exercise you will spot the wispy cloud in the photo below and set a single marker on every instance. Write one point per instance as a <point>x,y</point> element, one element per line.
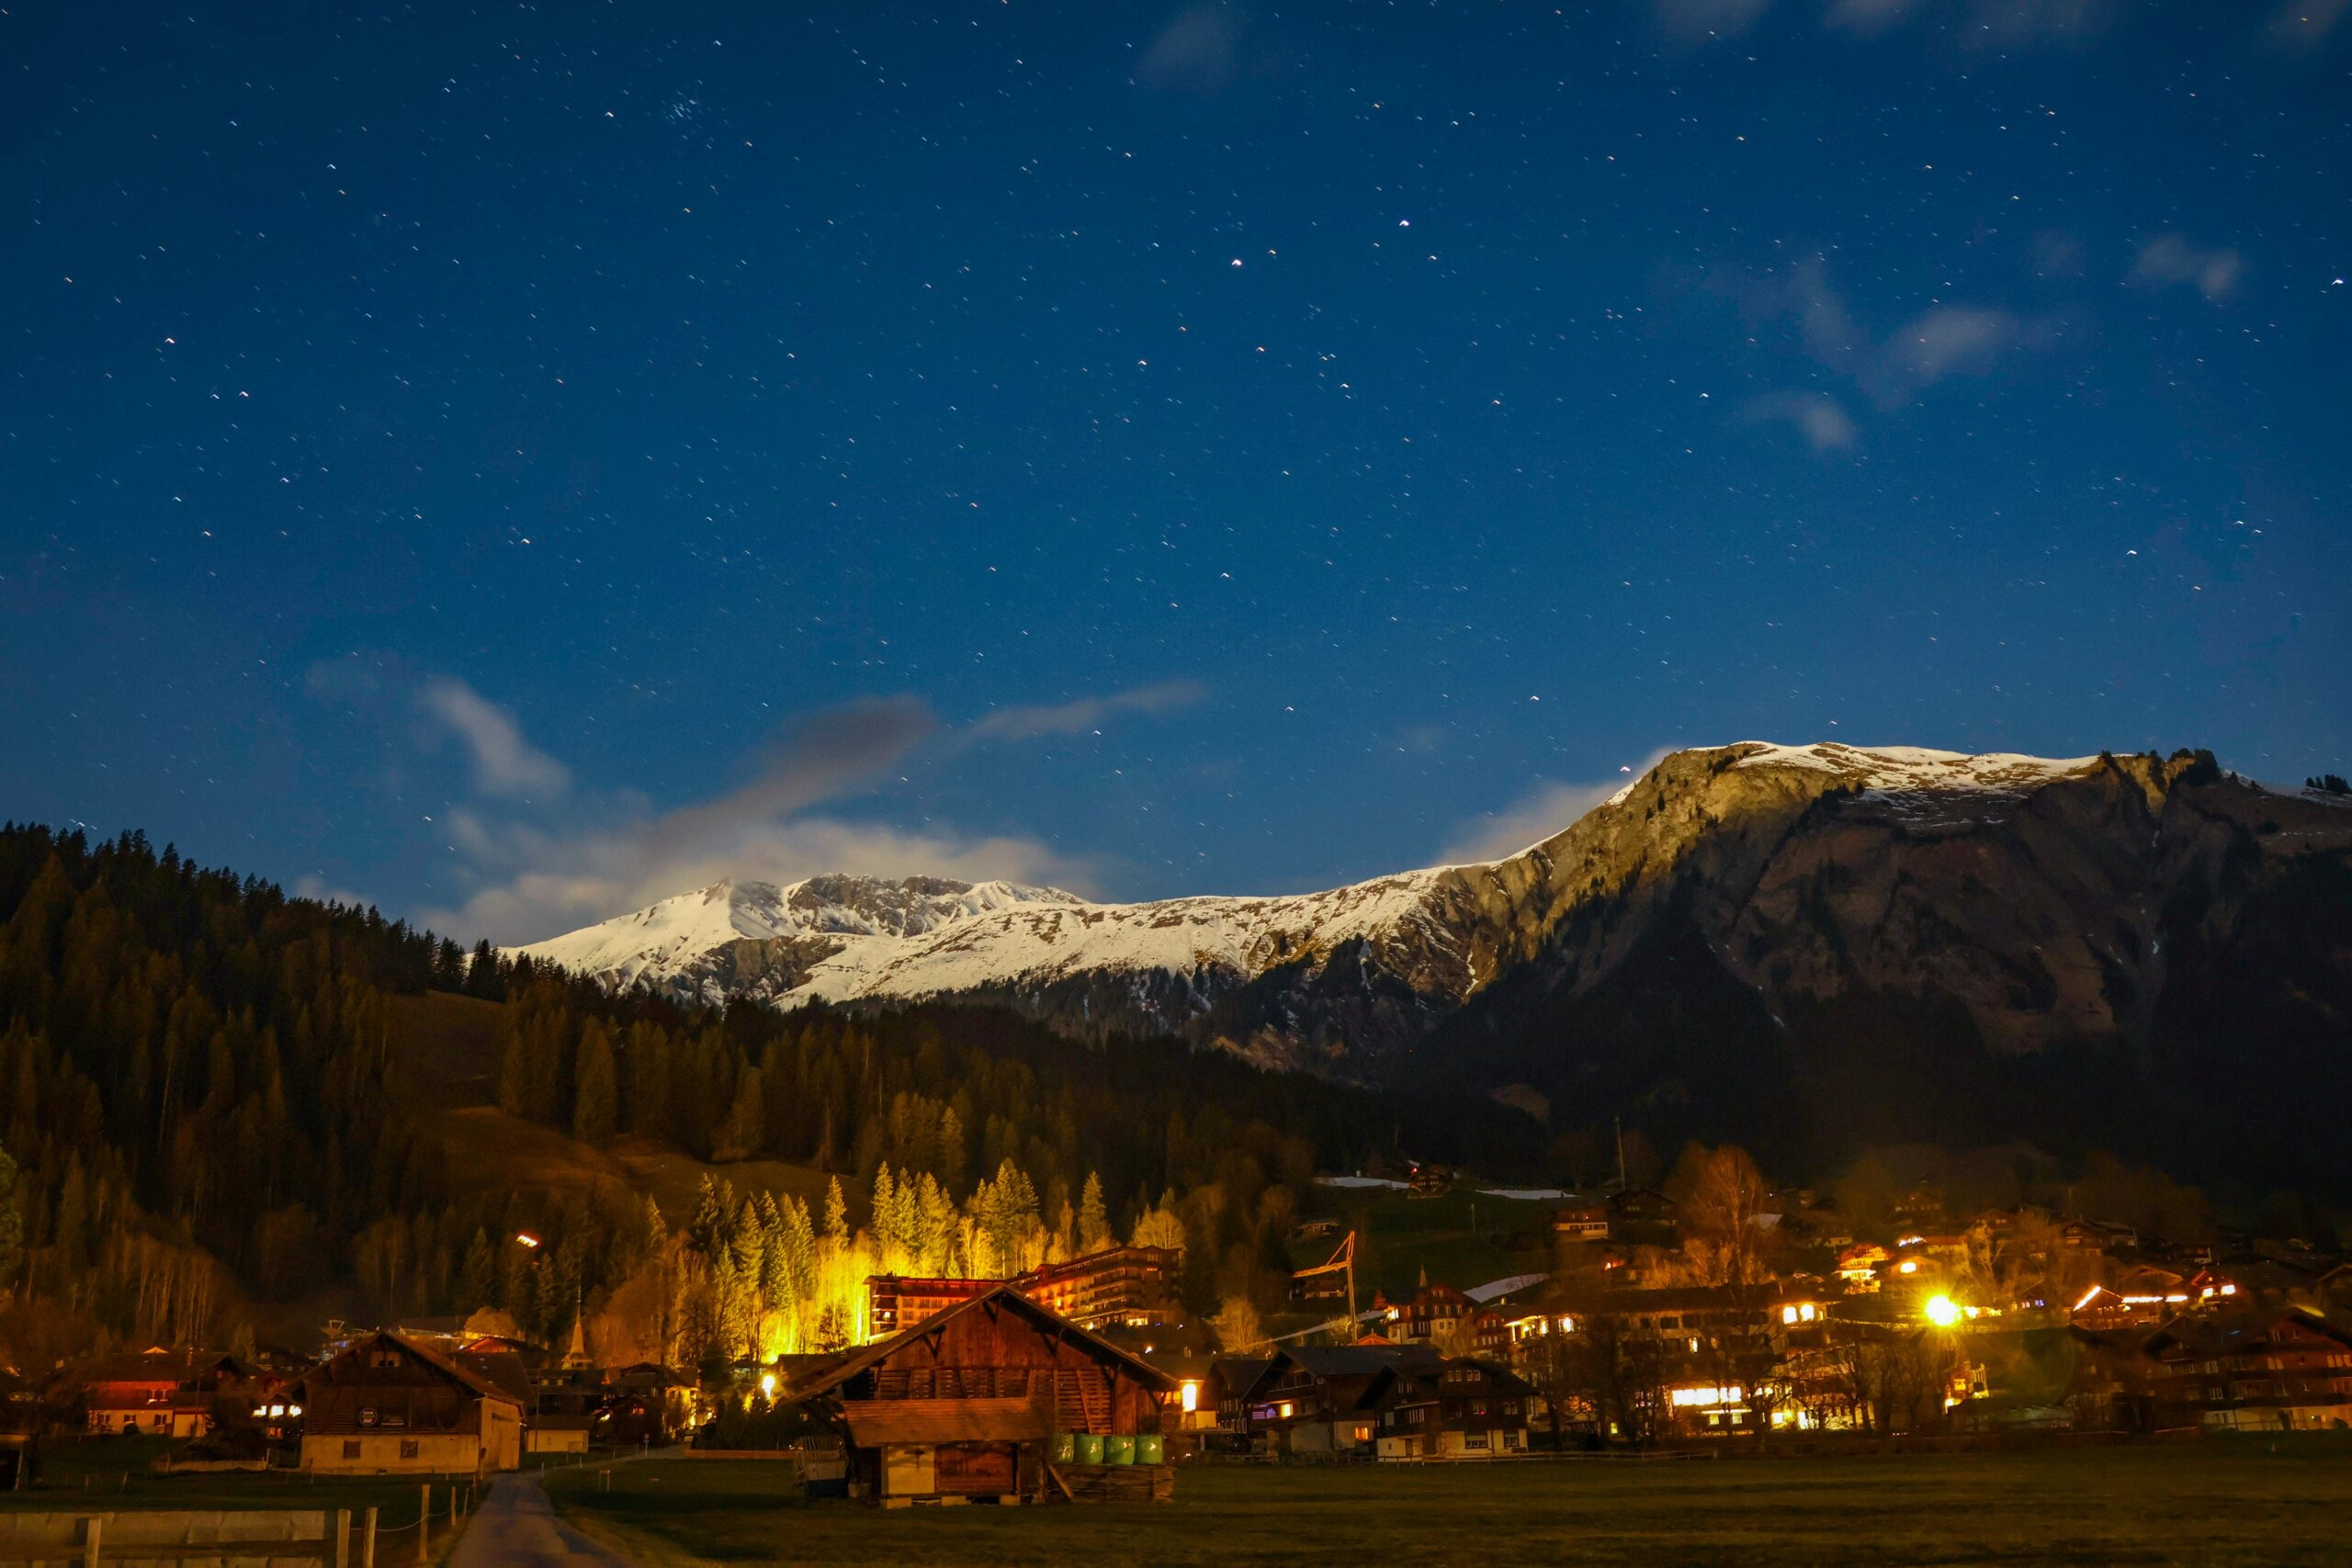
<point>1822,419</point>
<point>1540,812</point>
<point>1197,51</point>
<point>2170,259</point>
<point>1942,341</point>
<point>524,878</point>
<point>503,762</point>
<point>1082,713</point>
<point>1948,340</point>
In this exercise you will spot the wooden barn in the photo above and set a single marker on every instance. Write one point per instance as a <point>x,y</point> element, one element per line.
<point>994,1397</point>
<point>387,1406</point>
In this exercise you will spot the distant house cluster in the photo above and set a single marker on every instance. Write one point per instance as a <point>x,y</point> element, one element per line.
<point>1640,1333</point>
<point>418,1399</point>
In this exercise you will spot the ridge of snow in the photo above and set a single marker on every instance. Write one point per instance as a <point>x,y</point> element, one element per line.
<point>858,937</point>
<point>1916,767</point>
<point>663,938</point>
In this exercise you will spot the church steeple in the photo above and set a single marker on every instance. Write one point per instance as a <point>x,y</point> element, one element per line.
<point>576,1353</point>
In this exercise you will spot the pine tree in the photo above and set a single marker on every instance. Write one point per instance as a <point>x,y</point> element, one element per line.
<point>1093,1219</point>
<point>483,976</point>
<point>12,1224</point>
<point>888,1242</point>
<point>477,1278</point>
<point>954,1157</point>
<point>746,1124</point>
<point>595,1111</point>
<point>652,1231</point>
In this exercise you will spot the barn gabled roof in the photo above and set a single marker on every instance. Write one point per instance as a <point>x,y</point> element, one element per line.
<point>997,1298</point>
<point>465,1377</point>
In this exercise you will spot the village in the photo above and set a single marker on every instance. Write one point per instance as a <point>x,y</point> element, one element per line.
<point>1733,1322</point>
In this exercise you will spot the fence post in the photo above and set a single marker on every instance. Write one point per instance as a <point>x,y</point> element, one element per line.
<point>343,1538</point>
<point>92,1528</point>
<point>368,1539</point>
<point>425,1521</point>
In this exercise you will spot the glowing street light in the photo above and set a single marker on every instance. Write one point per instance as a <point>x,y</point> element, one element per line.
<point>1942,1311</point>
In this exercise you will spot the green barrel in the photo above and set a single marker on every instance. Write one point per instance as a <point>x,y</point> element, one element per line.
<point>1119,1450</point>
<point>1064,1449</point>
<point>1149,1449</point>
<point>1088,1447</point>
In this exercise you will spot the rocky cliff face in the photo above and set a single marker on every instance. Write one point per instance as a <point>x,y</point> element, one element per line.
<point>2138,953</point>
<point>1743,923</point>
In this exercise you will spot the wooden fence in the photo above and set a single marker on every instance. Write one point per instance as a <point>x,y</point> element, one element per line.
<point>344,1538</point>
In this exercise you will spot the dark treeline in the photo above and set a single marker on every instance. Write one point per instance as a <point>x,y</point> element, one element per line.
<point>207,1085</point>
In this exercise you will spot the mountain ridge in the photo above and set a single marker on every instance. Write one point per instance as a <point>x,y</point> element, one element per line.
<point>1262,975</point>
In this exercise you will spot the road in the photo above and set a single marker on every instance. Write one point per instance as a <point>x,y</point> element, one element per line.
<point>516,1528</point>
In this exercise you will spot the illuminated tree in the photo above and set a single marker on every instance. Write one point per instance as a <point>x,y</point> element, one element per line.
<point>1093,1219</point>
<point>1159,1227</point>
<point>1724,1200</point>
<point>1236,1325</point>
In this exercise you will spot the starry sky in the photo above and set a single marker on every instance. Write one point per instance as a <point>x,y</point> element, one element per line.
<point>506,462</point>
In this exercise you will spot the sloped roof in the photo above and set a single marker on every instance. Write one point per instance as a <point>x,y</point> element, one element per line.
<point>472,1382</point>
<point>1359,1361</point>
<point>996,1298</point>
<point>503,1371</point>
<point>2224,1332</point>
<point>1419,1386</point>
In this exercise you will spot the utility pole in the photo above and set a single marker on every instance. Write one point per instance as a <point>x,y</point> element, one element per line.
<point>1619,1119</point>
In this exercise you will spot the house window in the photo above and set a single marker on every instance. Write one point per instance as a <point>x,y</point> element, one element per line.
<point>351,1448</point>
<point>408,1448</point>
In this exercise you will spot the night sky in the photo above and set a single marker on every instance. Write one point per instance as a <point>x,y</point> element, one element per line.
<point>509,463</point>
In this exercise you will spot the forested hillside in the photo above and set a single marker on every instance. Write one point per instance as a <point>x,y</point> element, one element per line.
<point>219,1100</point>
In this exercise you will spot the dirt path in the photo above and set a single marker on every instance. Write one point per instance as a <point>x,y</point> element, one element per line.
<point>516,1528</point>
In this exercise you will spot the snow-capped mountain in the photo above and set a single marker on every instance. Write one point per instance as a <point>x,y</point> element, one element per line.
<point>669,945</point>
<point>2025,895</point>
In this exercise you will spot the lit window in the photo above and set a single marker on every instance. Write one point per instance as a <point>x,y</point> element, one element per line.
<point>1191,1396</point>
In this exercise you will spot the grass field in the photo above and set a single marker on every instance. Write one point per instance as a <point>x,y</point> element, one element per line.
<point>2253,1500</point>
